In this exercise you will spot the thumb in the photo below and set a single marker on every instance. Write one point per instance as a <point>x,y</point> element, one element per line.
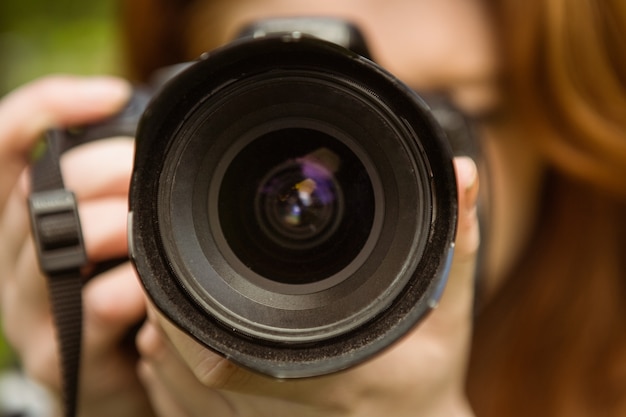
<point>113,303</point>
<point>457,300</point>
<point>468,238</point>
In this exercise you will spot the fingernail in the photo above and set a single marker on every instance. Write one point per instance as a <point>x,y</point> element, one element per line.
<point>149,342</point>
<point>468,173</point>
<point>467,170</point>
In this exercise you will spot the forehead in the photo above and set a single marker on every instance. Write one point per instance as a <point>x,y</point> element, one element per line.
<point>429,44</point>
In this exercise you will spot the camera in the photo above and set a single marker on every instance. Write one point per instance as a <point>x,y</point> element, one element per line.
<point>292,205</point>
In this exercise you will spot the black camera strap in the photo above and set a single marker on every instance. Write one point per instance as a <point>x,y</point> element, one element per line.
<point>61,251</point>
<point>59,238</point>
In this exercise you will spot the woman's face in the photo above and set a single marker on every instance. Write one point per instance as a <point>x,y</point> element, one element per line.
<point>429,44</point>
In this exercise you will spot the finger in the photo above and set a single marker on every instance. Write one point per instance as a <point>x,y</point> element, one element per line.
<point>207,381</point>
<point>34,340</point>
<point>103,223</point>
<point>451,321</point>
<point>113,303</point>
<point>100,168</point>
<point>160,396</point>
<point>27,326</point>
<point>234,388</point>
<point>30,285</point>
<point>209,368</point>
<point>50,102</point>
<point>458,294</point>
<point>467,232</point>
<point>164,369</point>
<point>21,310</point>
<point>14,229</point>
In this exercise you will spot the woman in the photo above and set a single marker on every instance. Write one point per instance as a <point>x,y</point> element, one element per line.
<point>549,330</point>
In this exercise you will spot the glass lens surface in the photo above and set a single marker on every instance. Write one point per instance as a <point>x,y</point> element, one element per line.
<point>296,205</point>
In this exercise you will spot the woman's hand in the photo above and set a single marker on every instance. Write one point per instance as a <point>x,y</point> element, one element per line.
<point>422,375</point>
<point>113,301</point>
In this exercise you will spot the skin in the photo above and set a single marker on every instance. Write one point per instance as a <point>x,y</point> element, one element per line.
<point>421,375</point>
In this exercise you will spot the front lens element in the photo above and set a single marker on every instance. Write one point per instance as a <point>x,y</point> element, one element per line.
<point>296,205</point>
<point>300,204</point>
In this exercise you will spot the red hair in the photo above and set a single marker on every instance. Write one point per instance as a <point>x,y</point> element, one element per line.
<point>552,341</point>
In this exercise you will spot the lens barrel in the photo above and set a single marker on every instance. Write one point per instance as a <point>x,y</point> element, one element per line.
<point>293,205</point>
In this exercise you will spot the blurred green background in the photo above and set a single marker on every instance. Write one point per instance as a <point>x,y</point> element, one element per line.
<point>39,37</point>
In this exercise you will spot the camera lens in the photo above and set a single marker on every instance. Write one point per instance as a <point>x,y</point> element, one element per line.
<point>296,206</point>
<point>296,203</point>
<point>299,203</point>
<point>293,205</point>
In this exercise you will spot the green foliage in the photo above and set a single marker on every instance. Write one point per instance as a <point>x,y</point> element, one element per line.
<point>40,37</point>
<point>7,357</point>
